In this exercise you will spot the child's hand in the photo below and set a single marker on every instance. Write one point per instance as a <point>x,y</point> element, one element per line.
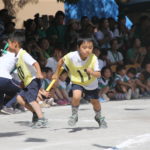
<point>55,76</point>
<point>89,70</point>
<point>40,76</point>
<point>47,94</point>
<point>22,85</point>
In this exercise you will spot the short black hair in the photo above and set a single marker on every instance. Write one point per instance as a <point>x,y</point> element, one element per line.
<point>112,41</point>
<point>18,37</point>
<point>132,70</point>
<point>120,68</point>
<point>59,13</point>
<point>83,39</point>
<point>104,69</point>
<point>46,69</point>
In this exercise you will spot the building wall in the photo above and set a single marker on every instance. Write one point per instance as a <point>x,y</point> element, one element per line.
<point>49,7</point>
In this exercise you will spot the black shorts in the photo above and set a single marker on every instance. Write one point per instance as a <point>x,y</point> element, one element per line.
<point>30,93</point>
<point>89,94</point>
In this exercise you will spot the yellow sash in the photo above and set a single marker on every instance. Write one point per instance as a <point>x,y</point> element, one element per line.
<point>79,75</point>
<point>23,71</point>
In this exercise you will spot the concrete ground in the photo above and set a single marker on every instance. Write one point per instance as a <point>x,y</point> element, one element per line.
<point>128,129</point>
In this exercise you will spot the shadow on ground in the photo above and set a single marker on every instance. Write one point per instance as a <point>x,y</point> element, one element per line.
<point>11,134</point>
<point>35,140</point>
<point>78,129</point>
<point>24,123</point>
<point>134,109</point>
<point>105,147</point>
<point>83,109</point>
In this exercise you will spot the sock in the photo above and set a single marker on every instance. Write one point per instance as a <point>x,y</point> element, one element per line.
<point>97,113</point>
<point>34,113</point>
<point>75,110</point>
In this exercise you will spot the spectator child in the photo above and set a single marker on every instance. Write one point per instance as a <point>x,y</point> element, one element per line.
<point>105,84</point>
<point>121,83</point>
<point>131,74</point>
<point>143,81</point>
<point>63,86</point>
<point>52,61</point>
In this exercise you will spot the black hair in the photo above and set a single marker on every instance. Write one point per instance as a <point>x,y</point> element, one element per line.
<point>104,69</point>
<point>59,13</point>
<point>104,53</point>
<point>112,41</point>
<point>132,70</point>
<point>46,69</point>
<point>120,68</point>
<point>83,39</point>
<point>18,37</point>
<point>64,71</point>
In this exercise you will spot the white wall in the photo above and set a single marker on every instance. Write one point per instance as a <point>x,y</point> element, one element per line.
<point>42,7</point>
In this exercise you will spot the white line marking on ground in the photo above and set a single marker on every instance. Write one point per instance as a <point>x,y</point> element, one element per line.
<point>137,140</point>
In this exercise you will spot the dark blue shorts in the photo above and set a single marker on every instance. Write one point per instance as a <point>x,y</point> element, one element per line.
<point>8,87</point>
<point>89,94</point>
<point>30,93</point>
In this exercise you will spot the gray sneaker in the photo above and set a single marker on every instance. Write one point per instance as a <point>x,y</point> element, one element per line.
<point>7,110</point>
<point>41,123</point>
<point>73,120</point>
<point>101,122</point>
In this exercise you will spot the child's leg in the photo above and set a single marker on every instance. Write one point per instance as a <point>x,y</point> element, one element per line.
<point>96,105</point>
<point>97,108</point>
<point>103,93</point>
<point>58,93</point>
<point>75,105</point>
<point>36,107</point>
<point>104,90</point>
<point>65,94</point>
<point>22,102</point>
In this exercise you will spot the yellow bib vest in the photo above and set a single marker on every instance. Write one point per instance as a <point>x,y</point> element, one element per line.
<point>79,75</point>
<point>23,71</point>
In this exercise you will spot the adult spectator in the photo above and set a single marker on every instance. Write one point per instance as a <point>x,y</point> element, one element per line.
<point>114,56</point>
<point>58,30</point>
<point>104,35</point>
<point>136,53</point>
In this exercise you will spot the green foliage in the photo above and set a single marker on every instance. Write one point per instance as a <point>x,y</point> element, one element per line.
<point>14,6</point>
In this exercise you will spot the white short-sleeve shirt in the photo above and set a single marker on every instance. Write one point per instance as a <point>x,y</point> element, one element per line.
<point>77,61</point>
<point>114,57</point>
<point>52,63</point>
<point>7,64</point>
<point>29,61</point>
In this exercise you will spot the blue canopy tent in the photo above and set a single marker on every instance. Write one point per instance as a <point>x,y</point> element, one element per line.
<point>90,8</point>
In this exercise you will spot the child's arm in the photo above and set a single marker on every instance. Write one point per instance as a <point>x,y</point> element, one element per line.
<point>96,74</point>
<point>139,83</point>
<point>124,83</point>
<point>57,72</point>
<point>38,69</point>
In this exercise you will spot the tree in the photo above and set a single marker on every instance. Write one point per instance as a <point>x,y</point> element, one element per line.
<point>13,6</point>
